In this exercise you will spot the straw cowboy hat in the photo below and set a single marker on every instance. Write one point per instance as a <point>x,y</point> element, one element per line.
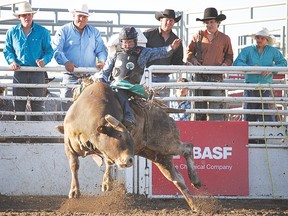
<point>167,13</point>
<point>212,13</point>
<point>24,8</point>
<point>80,10</point>
<point>264,32</point>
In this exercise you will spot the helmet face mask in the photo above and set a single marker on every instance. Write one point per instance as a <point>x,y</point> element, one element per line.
<point>128,33</point>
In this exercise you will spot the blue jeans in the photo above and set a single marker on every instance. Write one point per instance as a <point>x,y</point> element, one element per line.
<point>211,104</point>
<point>254,117</point>
<point>68,92</point>
<point>123,96</point>
<point>20,105</point>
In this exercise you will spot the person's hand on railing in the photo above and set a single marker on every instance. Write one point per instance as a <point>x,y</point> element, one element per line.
<point>40,63</point>
<point>14,66</point>
<point>69,66</point>
<point>100,65</point>
<point>196,62</point>
<point>188,63</point>
<point>266,73</point>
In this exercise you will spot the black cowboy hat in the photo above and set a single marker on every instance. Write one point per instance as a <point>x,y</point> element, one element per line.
<point>167,13</point>
<point>212,13</point>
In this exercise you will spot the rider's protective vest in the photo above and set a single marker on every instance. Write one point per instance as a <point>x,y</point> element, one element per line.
<point>126,66</point>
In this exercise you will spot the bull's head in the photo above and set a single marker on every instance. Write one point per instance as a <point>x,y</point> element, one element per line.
<point>116,143</point>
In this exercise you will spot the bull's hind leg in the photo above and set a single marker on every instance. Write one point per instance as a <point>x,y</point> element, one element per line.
<point>74,167</point>
<point>187,153</point>
<point>166,166</point>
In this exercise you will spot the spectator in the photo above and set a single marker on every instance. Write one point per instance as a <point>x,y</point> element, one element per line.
<point>261,54</point>
<point>27,44</point>
<point>6,105</point>
<point>163,36</point>
<point>183,105</point>
<point>126,67</point>
<point>78,44</point>
<point>210,48</point>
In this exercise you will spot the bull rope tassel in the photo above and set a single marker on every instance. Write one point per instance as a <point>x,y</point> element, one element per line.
<point>265,139</point>
<point>151,94</point>
<point>82,86</point>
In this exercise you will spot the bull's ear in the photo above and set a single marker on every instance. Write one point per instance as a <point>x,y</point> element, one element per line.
<point>103,129</point>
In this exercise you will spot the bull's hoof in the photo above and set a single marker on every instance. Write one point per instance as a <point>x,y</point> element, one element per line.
<point>197,184</point>
<point>195,211</point>
<point>106,187</point>
<point>74,194</point>
<point>195,180</point>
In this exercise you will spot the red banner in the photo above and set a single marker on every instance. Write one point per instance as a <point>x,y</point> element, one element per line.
<point>221,159</point>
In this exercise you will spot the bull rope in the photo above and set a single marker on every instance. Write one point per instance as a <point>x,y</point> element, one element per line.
<point>265,139</point>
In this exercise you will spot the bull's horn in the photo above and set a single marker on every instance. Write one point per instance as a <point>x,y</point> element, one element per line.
<point>112,121</point>
<point>60,128</point>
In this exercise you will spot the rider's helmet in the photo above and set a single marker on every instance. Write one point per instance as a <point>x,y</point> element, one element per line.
<point>128,33</point>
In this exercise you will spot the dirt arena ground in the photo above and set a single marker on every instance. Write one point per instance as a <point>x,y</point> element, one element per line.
<point>119,203</point>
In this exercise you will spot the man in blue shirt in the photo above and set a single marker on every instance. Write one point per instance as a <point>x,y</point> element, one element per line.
<point>27,44</point>
<point>126,67</point>
<point>261,54</point>
<point>78,44</point>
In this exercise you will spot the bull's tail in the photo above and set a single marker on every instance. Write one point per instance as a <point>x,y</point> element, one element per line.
<point>60,128</point>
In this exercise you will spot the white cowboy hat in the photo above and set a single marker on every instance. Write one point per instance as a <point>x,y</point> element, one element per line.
<point>265,33</point>
<point>80,10</point>
<point>24,8</point>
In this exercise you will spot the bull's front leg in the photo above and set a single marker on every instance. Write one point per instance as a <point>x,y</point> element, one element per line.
<point>74,167</point>
<point>107,177</point>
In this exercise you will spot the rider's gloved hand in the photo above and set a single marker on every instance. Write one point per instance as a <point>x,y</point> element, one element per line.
<point>102,80</point>
<point>98,78</point>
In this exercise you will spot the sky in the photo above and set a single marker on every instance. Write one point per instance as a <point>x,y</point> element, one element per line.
<point>150,5</point>
<point>153,5</point>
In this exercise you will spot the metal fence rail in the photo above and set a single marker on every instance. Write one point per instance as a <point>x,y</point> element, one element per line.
<point>228,85</point>
<point>177,71</point>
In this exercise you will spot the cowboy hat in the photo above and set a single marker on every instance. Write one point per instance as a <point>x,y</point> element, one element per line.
<point>24,8</point>
<point>264,32</point>
<point>212,13</point>
<point>80,10</point>
<point>167,13</point>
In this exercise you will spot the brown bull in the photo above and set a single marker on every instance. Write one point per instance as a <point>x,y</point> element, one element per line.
<point>156,137</point>
<point>91,127</point>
